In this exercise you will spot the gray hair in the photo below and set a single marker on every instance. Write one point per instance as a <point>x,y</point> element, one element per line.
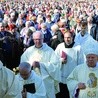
<point>43,25</point>
<point>38,32</point>
<point>55,27</point>
<point>25,66</point>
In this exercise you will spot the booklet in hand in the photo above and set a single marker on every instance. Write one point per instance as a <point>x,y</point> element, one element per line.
<point>64,55</point>
<point>30,88</point>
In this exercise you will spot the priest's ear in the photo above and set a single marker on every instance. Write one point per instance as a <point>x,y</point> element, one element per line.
<point>97,57</point>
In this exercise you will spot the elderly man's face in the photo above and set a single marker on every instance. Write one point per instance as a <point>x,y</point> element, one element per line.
<point>38,40</point>
<point>91,60</point>
<point>25,74</point>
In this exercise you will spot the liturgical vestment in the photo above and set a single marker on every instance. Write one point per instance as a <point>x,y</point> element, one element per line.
<point>49,66</point>
<point>9,84</point>
<point>40,91</point>
<point>84,74</point>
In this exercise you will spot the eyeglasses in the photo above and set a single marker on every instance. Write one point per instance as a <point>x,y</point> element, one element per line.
<point>38,39</point>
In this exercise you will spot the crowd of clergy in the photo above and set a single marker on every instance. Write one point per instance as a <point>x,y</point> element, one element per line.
<point>49,49</point>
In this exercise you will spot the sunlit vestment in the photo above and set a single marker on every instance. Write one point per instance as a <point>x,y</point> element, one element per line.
<point>39,85</point>
<point>49,66</point>
<point>74,57</point>
<point>9,87</point>
<point>84,74</point>
<point>80,40</point>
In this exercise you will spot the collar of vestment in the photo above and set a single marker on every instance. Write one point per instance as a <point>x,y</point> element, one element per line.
<point>69,46</point>
<point>84,34</point>
<point>44,47</point>
<point>94,68</point>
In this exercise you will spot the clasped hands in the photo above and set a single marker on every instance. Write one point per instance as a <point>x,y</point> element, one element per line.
<point>36,64</point>
<point>81,85</point>
<point>24,93</point>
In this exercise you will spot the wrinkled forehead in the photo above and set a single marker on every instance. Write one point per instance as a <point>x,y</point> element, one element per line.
<point>68,34</point>
<point>91,55</point>
<point>37,35</point>
<point>24,70</point>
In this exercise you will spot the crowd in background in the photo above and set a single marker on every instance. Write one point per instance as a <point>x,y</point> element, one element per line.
<point>20,19</point>
<point>56,20</point>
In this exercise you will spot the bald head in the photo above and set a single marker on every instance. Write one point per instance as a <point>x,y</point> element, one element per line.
<point>25,66</point>
<point>24,70</point>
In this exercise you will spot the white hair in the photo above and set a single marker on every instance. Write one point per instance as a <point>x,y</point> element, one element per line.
<point>32,29</point>
<point>38,33</point>
<point>55,27</point>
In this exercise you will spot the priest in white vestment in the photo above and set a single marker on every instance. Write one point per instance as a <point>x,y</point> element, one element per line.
<point>45,63</point>
<point>83,35</point>
<point>74,55</point>
<point>70,56</point>
<point>28,77</point>
<point>9,87</point>
<point>83,81</point>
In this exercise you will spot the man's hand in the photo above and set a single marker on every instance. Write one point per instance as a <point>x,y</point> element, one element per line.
<point>81,86</point>
<point>24,93</point>
<point>36,64</point>
<point>64,61</point>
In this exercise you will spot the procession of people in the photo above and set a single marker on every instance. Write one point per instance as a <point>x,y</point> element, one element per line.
<point>48,49</point>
